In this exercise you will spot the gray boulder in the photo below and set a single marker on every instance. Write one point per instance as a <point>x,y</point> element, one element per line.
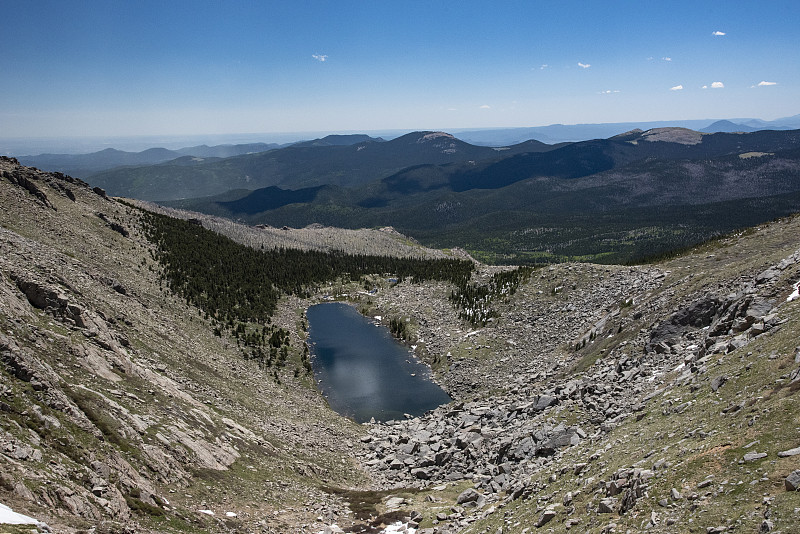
<point>608,505</point>
<point>545,518</point>
<point>792,482</point>
<point>469,495</point>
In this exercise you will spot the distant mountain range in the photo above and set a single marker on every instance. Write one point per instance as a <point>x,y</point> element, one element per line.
<point>560,133</point>
<point>83,165</point>
<point>630,195</point>
<point>626,197</point>
<point>329,161</point>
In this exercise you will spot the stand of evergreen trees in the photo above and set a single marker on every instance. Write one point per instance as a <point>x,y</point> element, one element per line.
<point>238,287</point>
<point>234,284</point>
<point>474,300</point>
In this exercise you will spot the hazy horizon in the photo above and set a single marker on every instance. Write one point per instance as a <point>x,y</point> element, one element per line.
<point>119,69</point>
<point>29,146</point>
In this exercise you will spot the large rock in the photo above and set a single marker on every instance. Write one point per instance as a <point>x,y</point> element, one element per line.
<point>469,495</point>
<point>544,401</point>
<point>561,437</point>
<point>790,452</point>
<point>697,315</point>
<point>608,505</point>
<point>718,382</point>
<point>39,294</point>
<point>792,482</point>
<point>546,517</point>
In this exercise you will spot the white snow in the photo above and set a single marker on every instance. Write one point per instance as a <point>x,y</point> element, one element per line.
<point>207,512</point>
<point>796,294</point>
<point>399,527</point>
<point>10,517</point>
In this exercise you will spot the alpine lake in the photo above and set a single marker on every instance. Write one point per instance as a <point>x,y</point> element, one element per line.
<point>364,372</point>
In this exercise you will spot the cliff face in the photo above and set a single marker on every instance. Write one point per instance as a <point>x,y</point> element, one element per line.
<point>598,398</point>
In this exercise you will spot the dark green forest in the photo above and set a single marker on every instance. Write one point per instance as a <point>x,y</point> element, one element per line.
<point>233,283</point>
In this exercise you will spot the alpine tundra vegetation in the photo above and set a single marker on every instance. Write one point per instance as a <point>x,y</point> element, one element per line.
<point>156,378</point>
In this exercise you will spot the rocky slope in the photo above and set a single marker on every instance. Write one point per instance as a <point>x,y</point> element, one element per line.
<point>617,399</point>
<point>600,399</point>
<point>120,407</point>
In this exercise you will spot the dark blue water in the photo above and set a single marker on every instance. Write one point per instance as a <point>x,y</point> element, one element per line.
<point>363,371</point>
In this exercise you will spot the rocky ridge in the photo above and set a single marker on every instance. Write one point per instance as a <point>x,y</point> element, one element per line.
<point>383,241</point>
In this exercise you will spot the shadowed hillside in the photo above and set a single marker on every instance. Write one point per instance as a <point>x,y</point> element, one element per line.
<point>617,200</point>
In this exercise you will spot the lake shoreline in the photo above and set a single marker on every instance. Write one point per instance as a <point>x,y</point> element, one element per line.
<point>363,371</point>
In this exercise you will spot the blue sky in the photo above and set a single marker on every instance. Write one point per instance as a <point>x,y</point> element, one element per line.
<point>108,68</point>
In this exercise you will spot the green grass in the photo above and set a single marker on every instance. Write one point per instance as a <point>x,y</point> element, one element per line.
<point>96,410</point>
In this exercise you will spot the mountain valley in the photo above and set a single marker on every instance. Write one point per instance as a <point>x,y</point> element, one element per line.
<point>590,398</point>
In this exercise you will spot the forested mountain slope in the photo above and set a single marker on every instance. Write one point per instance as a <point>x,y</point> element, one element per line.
<point>614,200</point>
<point>293,167</point>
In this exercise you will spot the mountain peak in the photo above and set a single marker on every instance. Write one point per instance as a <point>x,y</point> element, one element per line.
<point>728,127</point>
<point>434,136</point>
<point>426,137</point>
<point>340,140</point>
<point>683,136</point>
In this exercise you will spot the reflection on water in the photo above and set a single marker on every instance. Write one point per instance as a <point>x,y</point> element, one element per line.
<point>363,371</point>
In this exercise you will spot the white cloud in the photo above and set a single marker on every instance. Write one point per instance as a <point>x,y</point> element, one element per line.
<point>544,66</point>
<point>583,65</point>
<point>485,107</point>
<point>762,84</point>
<point>717,33</point>
<point>667,58</point>
<point>704,87</point>
<point>717,85</point>
<point>609,92</point>
<point>320,57</point>
<point>676,88</point>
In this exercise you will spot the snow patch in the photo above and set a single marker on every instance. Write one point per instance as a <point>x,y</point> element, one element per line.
<point>10,517</point>
<point>398,528</point>
<point>796,294</point>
